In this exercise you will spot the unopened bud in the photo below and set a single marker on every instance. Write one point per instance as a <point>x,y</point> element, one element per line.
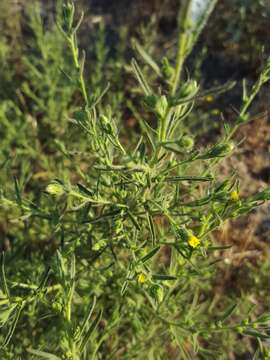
<point>55,188</point>
<point>186,142</point>
<point>157,293</point>
<point>167,70</point>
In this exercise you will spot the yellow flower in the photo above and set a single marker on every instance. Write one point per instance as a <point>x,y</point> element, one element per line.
<point>209,98</point>
<point>234,195</point>
<point>193,241</point>
<point>215,112</point>
<point>141,278</point>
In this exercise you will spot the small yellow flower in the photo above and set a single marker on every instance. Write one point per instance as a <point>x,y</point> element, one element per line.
<point>141,278</point>
<point>234,196</point>
<point>215,112</point>
<point>209,98</point>
<point>193,241</point>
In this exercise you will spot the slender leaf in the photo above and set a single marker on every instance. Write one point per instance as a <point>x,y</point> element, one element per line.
<point>3,276</point>
<point>88,316</point>
<point>164,277</point>
<point>88,334</point>
<point>13,325</point>
<point>228,312</point>
<point>150,254</point>
<point>43,355</point>
<point>141,78</point>
<point>147,58</point>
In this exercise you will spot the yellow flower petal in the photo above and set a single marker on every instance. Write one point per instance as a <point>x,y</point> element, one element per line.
<point>193,241</point>
<point>234,195</point>
<point>141,278</point>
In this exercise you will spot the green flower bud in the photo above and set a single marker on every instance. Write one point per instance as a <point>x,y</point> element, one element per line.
<point>69,355</point>
<point>167,70</point>
<point>68,16</point>
<point>186,142</point>
<point>189,88</point>
<point>106,125</point>
<point>55,188</point>
<point>157,104</point>
<point>161,106</point>
<point>156,291</point>
<point>99,245</point>
<point>57,306</point>
<point>240,329</point>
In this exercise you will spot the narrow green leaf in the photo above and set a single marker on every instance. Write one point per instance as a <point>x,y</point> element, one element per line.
<point>140,77</point>
<point>134,221</point>
<point>147,58</point>
<point>228,312</point>
<point>202,94</point>
<point>84,190</point>
<point>43,281</point>
<point>150,254</point>
<point>256,334</point>
<point>3,276</point>
<point>88,316</point>
<point>189,178</point>
<point>145,127</point>
<point>164,277</point>
<point>263,318</point>
<point>89,332</point>
<point>257,355</point>
<point>5,314</point>
<point>17,191</point>
<point>152,228</point>
<point>124,288</point>
<point>43,355</point>
<point>218,89</point>
<point>213,248</point>
<point>13,325</point>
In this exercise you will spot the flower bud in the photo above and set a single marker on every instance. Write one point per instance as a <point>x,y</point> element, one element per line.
<point>157,104</point>
<point>68,16</point>
<point>156,291</point>
<point>99,245</point>
<point>106,125</point>
<point>189,88</point>
<point>186,142</point>
<point>167,70</point>
<point>55,188</point>
<point>161,106</point>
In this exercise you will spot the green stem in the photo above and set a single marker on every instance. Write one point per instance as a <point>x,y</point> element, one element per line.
<point>180,58</point>
<point>75,56</point>
<point>179,61</point>
<point>182,42</point>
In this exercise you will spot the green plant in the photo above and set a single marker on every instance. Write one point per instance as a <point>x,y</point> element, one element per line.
<point>119,244</point>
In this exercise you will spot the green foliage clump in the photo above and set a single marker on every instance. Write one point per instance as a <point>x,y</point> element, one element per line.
<point>108,244</point>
